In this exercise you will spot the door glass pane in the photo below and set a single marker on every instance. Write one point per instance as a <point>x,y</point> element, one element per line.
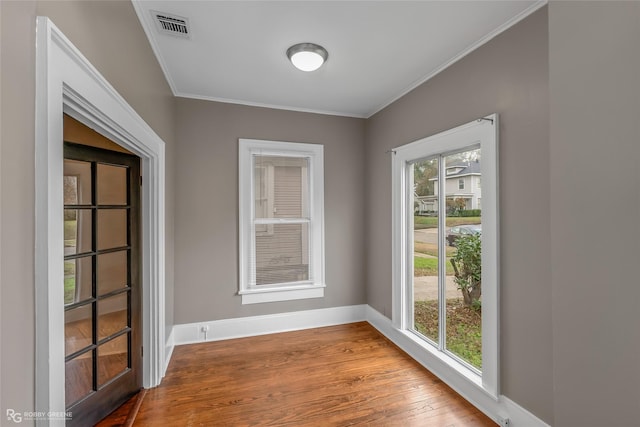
<point>77,182</point>
<point>112,228</point>
<point>425,248</point>
<point>112,185</point>
<point>113,358</point>
<point>77,231</point>
<point>99,197</point>
<point>283,256</point>
<point>112,271</point>
<point>77,279</point>
<point>464,229</point>
<point>281,187</point>
<point>78,378</point>
<point>78,329</point>
<point>112,315</point>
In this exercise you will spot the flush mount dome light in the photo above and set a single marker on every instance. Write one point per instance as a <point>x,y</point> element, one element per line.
<point>307,56</point>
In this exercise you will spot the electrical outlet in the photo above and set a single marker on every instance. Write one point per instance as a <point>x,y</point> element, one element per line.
<point>204,329</point>
<point>504,422</point>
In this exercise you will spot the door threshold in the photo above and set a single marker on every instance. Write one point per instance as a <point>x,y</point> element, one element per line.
<point>126,414</point>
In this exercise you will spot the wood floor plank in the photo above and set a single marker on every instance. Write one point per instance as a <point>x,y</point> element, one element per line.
<point>336,376</point>
<point>125,415</point>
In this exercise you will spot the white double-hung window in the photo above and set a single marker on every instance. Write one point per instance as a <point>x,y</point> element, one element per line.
<point>281,228</point>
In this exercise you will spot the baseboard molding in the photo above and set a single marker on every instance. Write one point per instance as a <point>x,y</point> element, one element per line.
<point>269,324</point>
<point>168,351</point>
<point>518,416</point>
<point>499,409</point>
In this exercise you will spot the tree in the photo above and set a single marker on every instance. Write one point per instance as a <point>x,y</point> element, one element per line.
<point>425,170</point>
<point>467,267</point>
<point>422,173</point>
<point>454,206</point>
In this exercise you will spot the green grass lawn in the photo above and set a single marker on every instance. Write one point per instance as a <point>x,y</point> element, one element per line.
<point>464,336</point>
<point>69,281</point>
<point>69,289</point>
<point>428,266</point>
<point>421,222</point>
<point>70,233</point>
<point>432,249</point>
<point>69,268</point>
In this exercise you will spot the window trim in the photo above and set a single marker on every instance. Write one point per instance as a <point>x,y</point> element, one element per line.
<point>314,287</point>
<point>485,133</point>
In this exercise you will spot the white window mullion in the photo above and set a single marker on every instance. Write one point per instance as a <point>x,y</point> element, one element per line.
<point>275,221</point>
<point>442,255</point>
<point>307,200</point>
<point>410,247</point>
<point>251,262</point>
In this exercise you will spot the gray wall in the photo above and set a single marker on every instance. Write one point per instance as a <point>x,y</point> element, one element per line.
<point>570,341</point>
<point>1,407</point>
<point>595,211</point>
<point>125,58</point>
<point>509,76</point>
<point>207,205</point>
<point>122,54</point>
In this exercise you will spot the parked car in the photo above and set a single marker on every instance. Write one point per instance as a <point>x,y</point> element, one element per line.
<point>462,230</point>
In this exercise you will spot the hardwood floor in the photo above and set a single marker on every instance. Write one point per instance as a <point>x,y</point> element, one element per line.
<point>125,415</point>
<point>334,376</point>
<point>112,355</point>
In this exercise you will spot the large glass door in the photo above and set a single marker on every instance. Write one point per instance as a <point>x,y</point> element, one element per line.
<point>101,281</point>
<point>446,252</point>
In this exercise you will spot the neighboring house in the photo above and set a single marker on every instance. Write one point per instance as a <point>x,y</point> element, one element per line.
<point>282,250</point>
<point>463,182</point>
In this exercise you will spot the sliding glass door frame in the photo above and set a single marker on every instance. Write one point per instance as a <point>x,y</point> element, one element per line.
<point>483,133</point>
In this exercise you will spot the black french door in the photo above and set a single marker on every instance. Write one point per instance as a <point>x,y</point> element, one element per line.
<point>103,353</point>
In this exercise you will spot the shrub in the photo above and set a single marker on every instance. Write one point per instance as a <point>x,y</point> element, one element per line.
<point>470,212</point>
<point>464,213</point>
<point>467,267</point>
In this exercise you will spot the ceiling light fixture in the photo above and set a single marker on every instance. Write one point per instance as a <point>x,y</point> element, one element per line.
<point>307,56</point>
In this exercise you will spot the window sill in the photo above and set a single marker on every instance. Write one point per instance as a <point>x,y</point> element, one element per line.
<point>257,296</point>
<point>462,370</point>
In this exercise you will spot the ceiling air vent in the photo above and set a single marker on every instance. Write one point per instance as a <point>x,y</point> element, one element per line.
<point>172,25</point>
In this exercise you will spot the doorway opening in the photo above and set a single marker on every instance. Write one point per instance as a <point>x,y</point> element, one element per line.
<point>67,83</point>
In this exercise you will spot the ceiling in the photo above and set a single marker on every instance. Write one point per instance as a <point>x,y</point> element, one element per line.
<point>378,50</point>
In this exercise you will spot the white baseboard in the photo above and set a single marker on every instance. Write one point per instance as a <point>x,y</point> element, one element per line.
<point>168,351</point>
<point>499,410</point>
<point>269,324</point>
<point>519,416</point>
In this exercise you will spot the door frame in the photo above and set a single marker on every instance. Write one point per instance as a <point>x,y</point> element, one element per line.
<point>66,82</point>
